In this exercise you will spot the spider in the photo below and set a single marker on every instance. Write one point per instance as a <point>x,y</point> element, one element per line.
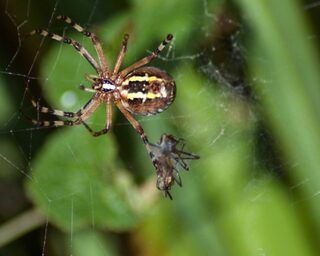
<point>165,156</point>
<point>134,90</point>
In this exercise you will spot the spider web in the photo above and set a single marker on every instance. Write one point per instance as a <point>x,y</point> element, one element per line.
<point>60,186</point>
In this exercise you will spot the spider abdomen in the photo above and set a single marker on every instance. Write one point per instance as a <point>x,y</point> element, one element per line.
<point>147,91</point>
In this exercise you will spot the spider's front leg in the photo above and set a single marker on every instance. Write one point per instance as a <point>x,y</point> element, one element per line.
<point>108,120</point>
<point>94,39</point>
<point>81,50</point>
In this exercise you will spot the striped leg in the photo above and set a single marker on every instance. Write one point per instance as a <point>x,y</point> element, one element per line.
<point>47,110</point>
<point>108,121</point>
<point>136,126</point>
<point>121,54</point>
<point>59,123</point>
<point>92,36</point>
<point>52,123</point>
<point>55,112</point>
<point>86,89</point>
<point>148,58</point>
<point>79,115</point>
<point>82,114</point>
<point>82,51</point>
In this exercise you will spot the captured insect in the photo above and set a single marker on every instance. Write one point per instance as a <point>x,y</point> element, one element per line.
<point>134,90</point>
<point>166,156</point>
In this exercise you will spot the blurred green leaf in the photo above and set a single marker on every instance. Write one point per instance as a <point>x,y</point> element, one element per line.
<point>92,243</point>
<point>267,223</point>
<point>75,180</point>
<point>291,95</point>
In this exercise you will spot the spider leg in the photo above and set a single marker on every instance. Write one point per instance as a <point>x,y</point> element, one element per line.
<point>52,123</point>
<point>86,89</point>
<point>92,36</point>
<point>81,115</point>
<point>59,123</point>
<point>121,54</point>
<point>48,110</point>
<point>135,125</point>
<point>108,121</point>
<point>82,51</point>
<point>148,58</point>
<point>92,78</point>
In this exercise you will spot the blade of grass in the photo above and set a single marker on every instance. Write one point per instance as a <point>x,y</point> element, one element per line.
<point>292,97</point>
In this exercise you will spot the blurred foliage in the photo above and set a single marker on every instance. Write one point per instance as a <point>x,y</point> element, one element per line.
<point>99,194</point>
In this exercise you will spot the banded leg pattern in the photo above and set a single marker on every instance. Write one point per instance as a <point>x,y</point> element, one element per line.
<point>47,110</point>
<point>94,133</point>
<point>94,39</point>
<point>121,54</point>
<point>53,123</point>
<point>136,126</point>
<point>148,58</point>
<point>82,51</point>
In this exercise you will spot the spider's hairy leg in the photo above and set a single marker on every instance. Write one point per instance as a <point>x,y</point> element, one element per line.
<point>95,80</point>
<point>121,54</point>
<point>52,123</point>
<point>92,78</point>
<point>86,89</point>
<point>81,50</point>
<point>136,126</point>
<point>148,58</point>
<point>108,121</point>
<point>57,123</point>
<point>47,110</point>
<point>92,36</point>
<point>81,115</point>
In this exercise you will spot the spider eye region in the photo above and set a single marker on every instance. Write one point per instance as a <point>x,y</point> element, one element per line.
<point>107,85</point>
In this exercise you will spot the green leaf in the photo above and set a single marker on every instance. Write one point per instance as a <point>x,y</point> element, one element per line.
<point>92,243</point>
<point>291,97</point>
<point>75,180</point>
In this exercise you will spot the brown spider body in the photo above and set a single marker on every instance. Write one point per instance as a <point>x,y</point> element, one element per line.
<point>136,89</point>
<point>147,91</point>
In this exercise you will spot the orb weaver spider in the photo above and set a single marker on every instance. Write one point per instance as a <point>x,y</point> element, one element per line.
<point>134,90</point>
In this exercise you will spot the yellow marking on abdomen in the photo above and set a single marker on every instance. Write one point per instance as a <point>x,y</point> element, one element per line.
<point>141,95</point>
<point>145,78</point>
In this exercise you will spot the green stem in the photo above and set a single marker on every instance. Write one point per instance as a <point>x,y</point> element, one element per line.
<point>20,225</point>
